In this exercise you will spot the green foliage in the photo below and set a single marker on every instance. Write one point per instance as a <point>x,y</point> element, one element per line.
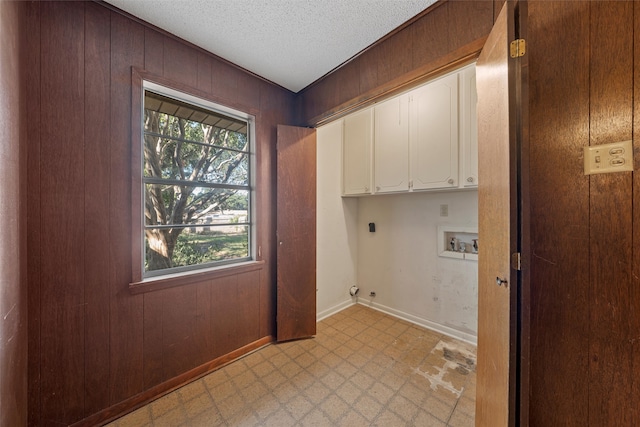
<point>193,249</point>
<point>193,153</point>
<point>236,202</point>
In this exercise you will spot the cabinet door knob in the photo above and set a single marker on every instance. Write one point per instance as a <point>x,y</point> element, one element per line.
<point>450,181</point>
<point>470,179</point>
<point>366,189</point>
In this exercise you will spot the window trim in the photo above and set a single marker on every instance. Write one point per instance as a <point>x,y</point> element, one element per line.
<point>141,81</point>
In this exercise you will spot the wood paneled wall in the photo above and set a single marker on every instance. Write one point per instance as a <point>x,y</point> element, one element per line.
<point>93,344</point>
<point>583,252</point>
<point>448,33</point>
<point>96,349</point>
<point>13,290</point>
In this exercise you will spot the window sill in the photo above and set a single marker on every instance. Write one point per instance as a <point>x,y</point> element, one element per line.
<point>180,279</point>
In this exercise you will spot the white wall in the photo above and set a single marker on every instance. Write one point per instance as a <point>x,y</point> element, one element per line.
<point>336,230</point>
<point>399,261</point>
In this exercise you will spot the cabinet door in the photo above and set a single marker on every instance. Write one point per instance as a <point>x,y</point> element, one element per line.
<point>356,153</point>
<point>469,127</point>
<point>434,134</point>
<point>391,167</point>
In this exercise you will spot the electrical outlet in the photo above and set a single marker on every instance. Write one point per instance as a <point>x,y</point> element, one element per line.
<point>444,210</point>
<point>372,294</point>
<point>606,158</point>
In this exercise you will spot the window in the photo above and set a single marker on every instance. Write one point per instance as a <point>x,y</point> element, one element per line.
<point>196,183</point>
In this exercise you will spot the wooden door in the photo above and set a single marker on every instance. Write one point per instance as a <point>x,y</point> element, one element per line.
<point>498,227</point>
<point>296,231</point>
<point>433,136</point>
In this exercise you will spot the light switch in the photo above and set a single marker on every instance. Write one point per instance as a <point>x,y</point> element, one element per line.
<point>606,158</point>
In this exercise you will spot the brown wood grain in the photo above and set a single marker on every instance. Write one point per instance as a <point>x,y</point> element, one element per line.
<point>274,108</point>
<point>131,352</point>
<point>634,294</point>
<point>248,309</point>
<point>224,80</point>
<point>428,44</point>
<point>559,211</point>
<point>126,318</point>
<point>265,203</point>
<point>32,74</point>
<point>610,209</point>
<point>497,215</point>
<point>367,82</point>
<point>96,207</point>
<point>152,339</point>
<point>497,6</point>
<point>524,297</point>
<point>267,305</point>
<point>94,341</point>
<point>151,394</point>
<point>62,212</point>
<point>205,64</point>
<point>396,55</point>
<point>248,92</point>
<point>349,74</point>
<point>203,336</point>
<point>180,62</point>
<point>178,324</point>
<point>13,300</point>
<point>468,21</point>
<point>296,232</point>
<point>224,300</point>
<point>436,39</point>
<point>153,51</point>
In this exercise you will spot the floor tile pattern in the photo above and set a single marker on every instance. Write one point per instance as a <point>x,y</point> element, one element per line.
<point>364,368</point>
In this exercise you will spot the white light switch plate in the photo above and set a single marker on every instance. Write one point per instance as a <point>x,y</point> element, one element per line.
<point>606,158</point>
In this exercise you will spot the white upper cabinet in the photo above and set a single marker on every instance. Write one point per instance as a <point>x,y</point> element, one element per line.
<point>434,134</point>
<point>425,139</point>
<point>469,127</point>
<point>391,145</point>
<point>356,153</point>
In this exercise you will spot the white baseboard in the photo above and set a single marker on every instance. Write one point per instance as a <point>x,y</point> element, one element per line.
<point>335,309</point>
<point>445,330</point>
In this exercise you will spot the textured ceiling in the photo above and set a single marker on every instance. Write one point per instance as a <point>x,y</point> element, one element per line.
<point>289,42</point>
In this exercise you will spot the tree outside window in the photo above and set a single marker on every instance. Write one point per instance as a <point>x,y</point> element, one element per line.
<point>196,186</point>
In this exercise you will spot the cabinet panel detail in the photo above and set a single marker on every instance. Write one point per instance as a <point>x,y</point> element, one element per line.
<point>356,153</point>
<point>391,136</point>
<point>469,127</point>
<point>434,134</point>
<point>424,139</point>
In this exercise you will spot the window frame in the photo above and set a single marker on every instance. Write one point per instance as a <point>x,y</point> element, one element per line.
<point>176,276</point>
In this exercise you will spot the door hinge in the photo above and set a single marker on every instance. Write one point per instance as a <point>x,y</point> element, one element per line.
<point>518,48</point>
<point>515,261</point>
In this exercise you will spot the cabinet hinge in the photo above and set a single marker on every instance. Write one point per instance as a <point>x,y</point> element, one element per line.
<point>515,261</point>
<point>518,48</point>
